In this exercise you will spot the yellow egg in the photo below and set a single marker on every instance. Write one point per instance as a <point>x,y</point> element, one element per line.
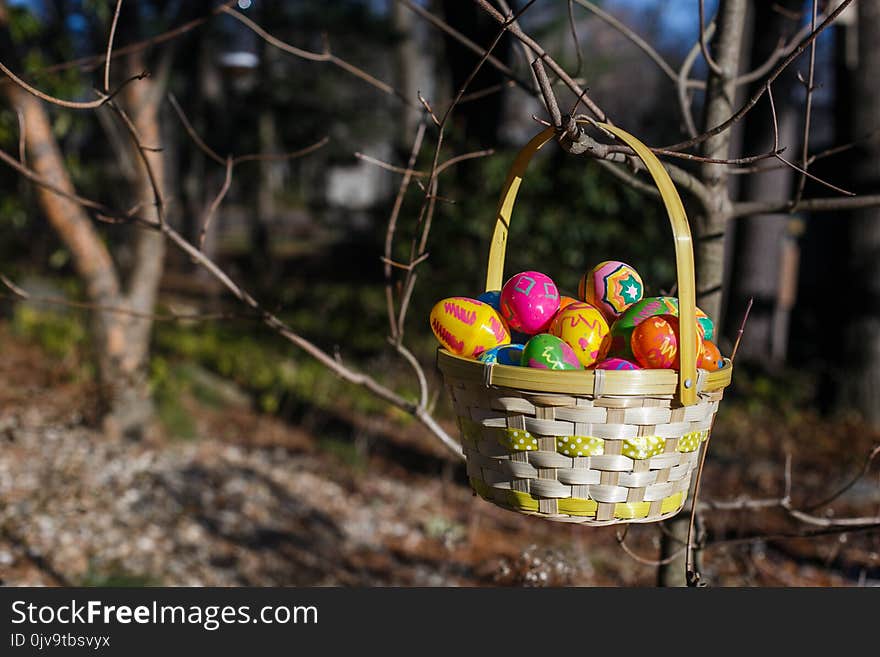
<point>583,327</point>
<point>468,327</point>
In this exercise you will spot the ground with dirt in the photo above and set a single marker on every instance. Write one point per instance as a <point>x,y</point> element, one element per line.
<point>254,500</point>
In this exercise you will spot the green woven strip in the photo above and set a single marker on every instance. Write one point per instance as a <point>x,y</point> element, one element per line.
<point>643,447</point>
<point>518,440</point>
<point>580,446</point>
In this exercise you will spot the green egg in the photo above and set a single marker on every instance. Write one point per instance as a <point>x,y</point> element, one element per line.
<point>547,352</point>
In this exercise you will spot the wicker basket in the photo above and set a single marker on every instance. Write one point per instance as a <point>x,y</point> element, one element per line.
<point>595,447</point>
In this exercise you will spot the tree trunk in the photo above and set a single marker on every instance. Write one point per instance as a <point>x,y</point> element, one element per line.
<point>762,242</point>
<point>720,94</point>
<point>711,225</point>
<point>120,341</point>
<point>861,382</point>
<point>124,364</point>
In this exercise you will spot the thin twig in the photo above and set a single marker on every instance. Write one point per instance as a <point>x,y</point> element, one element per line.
<point>621,541</point>
<point>215,203</point>
<point>742,328</point>
<point>392,227</point>
<point>852,482</point>
<point>541,53</point>
<point>326,56</point>
<point>197,140</point>
<point>423,174</point>
<point>713,65</point>
<point>750,103</point>
<point>103,98</point>
<point>574,38</point>
<point>808,111</point>
<point>467,43</point>
<point>684,101</point>
<point>630,34</point>
<point>110,46</point>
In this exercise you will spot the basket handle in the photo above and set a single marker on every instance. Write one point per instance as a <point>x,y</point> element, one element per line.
<point>684,253</point>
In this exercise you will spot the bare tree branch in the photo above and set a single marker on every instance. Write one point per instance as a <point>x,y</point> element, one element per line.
<point>750,103</point>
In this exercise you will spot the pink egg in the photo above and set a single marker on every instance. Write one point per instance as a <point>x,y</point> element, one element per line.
<point>528,302</point>
<point>616,364</point>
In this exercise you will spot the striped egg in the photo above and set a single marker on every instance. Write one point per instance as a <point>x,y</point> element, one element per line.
<point>467,327</point>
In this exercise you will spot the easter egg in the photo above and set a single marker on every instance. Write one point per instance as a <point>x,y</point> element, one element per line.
<point>612,286</point>
<point>707,326</point>
<point>492,297</point>
<point>506,354</point>
<point>709,358</point>
<point>528,302</point>
<point>622,328</point>
<point>616,364</point>
<point>583,327</point>
<point>467,327</point>
<point>654,343</point>
<point>547,352</point>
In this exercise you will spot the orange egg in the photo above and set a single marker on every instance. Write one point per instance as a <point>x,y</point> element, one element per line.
<point>566,301</point>
<point>655,342</point>
<point>710,358</point>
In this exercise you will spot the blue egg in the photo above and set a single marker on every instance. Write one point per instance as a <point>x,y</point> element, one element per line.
<point>492,297</point>
<point>506,354</point>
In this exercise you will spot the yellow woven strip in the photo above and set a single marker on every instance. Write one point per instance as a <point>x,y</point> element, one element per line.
<point>580,446</point>
<point>643,447</point>
<point>574,506</point>
<point>672,502</point>
<point>628,510</point>
<point>518,440</point>
<point>515,499</point>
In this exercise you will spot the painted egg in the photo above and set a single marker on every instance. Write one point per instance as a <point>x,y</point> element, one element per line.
<point>622,328</point>
<point>468,327</point>
<point>528,302</point>
<point>616,364</point>
<point>709,358</point>
<point>707,326</point>
<point>506,354</point>
<point>547,352</point>
<point>583,327</point>
<point>492,297</point>
<point>655,342</point>
<point>612,286</point>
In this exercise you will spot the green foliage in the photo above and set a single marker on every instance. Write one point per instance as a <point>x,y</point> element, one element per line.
<point>60,335</point>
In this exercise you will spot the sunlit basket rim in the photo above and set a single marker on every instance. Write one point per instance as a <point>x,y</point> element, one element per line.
<point>580,382</point>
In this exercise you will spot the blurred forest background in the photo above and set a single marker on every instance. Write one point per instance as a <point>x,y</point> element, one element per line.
<point>158,430</point>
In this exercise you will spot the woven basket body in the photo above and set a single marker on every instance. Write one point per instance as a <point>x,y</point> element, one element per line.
<point>585,458</point>
<point>594,447</point>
